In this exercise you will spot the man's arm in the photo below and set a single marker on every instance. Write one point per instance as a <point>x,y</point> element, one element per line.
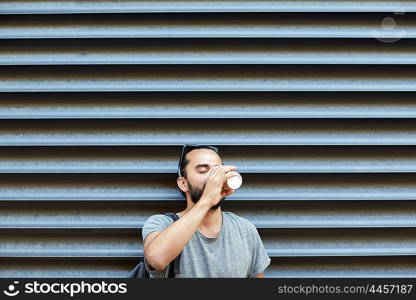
<point>161,247</point>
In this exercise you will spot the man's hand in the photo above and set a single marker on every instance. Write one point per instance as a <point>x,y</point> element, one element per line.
<point>216,178</point>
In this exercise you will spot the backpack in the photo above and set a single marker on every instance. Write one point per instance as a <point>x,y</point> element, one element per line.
<point>140,270</point>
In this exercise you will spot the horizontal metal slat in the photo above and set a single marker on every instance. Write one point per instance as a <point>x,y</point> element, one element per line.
<point>342,267</point>
<point>206,51</point>
<point>316,214</point>
<point>226,132</point>
<point>287,267</point>
<point>138,6</point>
<point>257,187</point>
<point>339,242</point>
<point>65,244</point>
<point>106,244</point>
<point>100,244</point>
<point>210,105</point>
<point>75,268</point>
<point>206,78</point>
<point>282,214</point>
<point>260,25</point>
<point>251,159</point>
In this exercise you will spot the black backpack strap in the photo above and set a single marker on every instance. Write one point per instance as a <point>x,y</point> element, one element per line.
<point>174,267</point>
<point>173,216</point>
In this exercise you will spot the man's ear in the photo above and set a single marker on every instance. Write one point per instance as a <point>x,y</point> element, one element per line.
<point>182,184</point>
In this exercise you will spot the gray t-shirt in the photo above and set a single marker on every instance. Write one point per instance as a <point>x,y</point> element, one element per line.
<point>237,251</point>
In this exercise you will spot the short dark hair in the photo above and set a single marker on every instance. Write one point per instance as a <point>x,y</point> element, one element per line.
<point>183,161</point>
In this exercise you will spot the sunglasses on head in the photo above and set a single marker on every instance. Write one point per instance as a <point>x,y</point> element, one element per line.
<point>188,148</point>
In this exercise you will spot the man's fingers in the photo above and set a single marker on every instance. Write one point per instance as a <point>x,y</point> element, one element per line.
<point>230,192</point>
<point>231,168</point>
<point>227,193</point>
<point>230,174</point>
<point>222,170</point>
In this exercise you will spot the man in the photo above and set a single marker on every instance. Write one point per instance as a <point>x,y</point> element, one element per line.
<point>213,243</point>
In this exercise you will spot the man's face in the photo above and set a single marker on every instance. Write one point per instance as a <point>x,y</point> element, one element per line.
<point>200,162</point>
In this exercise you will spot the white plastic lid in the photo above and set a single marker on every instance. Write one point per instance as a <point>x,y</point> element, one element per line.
<point>235,181</point>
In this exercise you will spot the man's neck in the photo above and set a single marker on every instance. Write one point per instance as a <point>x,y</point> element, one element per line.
<point>212,219</point>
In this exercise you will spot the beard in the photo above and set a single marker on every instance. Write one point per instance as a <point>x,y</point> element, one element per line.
<point>196,194</point>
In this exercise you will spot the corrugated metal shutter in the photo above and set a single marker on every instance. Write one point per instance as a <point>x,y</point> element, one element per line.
<point>313,100</point>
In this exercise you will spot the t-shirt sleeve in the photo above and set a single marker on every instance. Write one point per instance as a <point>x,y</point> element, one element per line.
<point>260,260</point>
<point>155,223</point>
